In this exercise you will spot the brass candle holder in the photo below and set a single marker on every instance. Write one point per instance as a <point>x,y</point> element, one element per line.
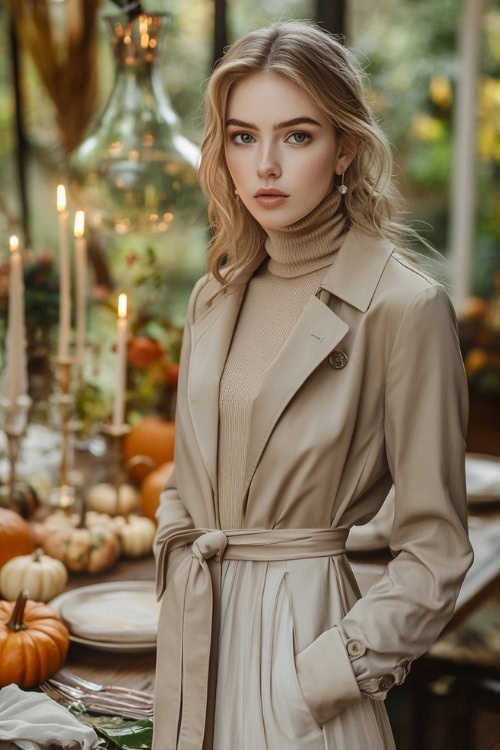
<point>115,437</point>
<point>64,495</point>
<point>14,425</point>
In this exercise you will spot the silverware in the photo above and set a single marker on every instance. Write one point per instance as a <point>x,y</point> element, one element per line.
<point>106,704</point>
<point>65,676</point>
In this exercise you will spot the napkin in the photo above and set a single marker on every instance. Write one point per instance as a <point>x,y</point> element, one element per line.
<point>32,721</point>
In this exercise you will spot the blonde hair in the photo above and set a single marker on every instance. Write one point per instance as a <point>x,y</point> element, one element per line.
<point>316,61</point>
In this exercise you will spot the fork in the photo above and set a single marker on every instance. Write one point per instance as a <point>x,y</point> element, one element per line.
<point>102,697</point>
<point>101,703</point>
<point>65,676</point>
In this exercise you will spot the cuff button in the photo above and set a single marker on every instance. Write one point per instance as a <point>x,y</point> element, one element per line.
<point>386,682</point>
<point>355,648</point>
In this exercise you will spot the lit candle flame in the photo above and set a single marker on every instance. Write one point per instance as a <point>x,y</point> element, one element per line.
<point>61,198</point>
<point>122,306</point>
<point>14,243</point>
<point>79,228</point>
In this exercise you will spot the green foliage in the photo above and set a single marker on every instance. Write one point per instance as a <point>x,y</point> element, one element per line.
<point>126,734</point>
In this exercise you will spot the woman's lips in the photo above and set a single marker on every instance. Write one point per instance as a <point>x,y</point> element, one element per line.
<point>269,201</point>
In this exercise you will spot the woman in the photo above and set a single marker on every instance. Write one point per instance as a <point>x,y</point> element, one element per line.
<point>320,369</point>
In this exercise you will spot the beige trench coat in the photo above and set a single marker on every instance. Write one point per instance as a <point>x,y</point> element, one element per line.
<point>329,438</point>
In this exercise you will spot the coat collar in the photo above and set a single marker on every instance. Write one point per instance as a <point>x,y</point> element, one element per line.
<point>353,277</point>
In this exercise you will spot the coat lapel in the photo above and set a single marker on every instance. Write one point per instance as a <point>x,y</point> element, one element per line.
<point>211,337</point>
<point>353,277</point>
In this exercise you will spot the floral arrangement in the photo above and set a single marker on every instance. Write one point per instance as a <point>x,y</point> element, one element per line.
<point>479,331</point>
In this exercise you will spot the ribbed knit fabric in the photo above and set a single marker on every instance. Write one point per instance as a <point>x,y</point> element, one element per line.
<point>274,297</point>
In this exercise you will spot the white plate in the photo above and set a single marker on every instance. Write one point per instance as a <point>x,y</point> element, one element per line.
<point>482,473</point>
<point>129,648</point>
<point>124,612</point>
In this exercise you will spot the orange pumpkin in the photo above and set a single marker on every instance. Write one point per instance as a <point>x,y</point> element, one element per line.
<point>153,439</point>
<point>33,642</point>
<point>151,488</point>
<point>143,351</point>
<point>16,537</point>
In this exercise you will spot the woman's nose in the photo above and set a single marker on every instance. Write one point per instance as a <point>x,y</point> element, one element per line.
<point>268,165</point>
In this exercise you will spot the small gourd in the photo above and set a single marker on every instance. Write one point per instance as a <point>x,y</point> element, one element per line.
<point>90,546</point>
<point>42,576</point>
<point>33,642</point>
<point>104,498</point>
<point>136,534</point>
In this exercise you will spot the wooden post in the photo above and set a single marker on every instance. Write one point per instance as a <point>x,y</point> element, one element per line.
<point>220,29</point>
<point>331,14</point>
<point>21,141</point>
<point>463,179</point>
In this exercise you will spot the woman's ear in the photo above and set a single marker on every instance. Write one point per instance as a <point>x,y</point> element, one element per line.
<point>348,146</point>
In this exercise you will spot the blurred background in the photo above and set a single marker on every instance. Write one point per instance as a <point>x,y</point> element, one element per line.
<point>109,105</point>
<point>60,76</point>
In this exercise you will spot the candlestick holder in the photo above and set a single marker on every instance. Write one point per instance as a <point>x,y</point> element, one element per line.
<point>115,436</point>
<point>14,425</point>
<point>64,495</point>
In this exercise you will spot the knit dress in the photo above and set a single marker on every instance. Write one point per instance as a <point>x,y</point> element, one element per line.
<point>259,704</point>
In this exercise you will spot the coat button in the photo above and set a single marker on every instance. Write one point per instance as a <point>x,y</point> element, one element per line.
<point>338,359</point>
<point>355,648</point>
<point>386,682</point>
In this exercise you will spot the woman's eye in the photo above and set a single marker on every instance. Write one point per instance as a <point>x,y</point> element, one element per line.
<point>303,137</point>
<point>247,138</point>
<point>242,135</point>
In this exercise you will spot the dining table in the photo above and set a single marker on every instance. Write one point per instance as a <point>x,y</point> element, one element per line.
<point>137,670</point>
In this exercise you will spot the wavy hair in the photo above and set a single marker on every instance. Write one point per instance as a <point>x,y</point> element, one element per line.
<point>315,60</point>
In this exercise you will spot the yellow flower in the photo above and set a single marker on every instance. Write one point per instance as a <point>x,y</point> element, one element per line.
<point>475,360</point>
<point>427,128</point>
<point>440,91</point>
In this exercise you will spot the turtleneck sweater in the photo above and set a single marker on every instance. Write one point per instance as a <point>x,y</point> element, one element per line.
<point>274,298</point>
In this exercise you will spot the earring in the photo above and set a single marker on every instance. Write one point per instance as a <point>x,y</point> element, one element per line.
<point>342,188</point>
<point>236,192</point>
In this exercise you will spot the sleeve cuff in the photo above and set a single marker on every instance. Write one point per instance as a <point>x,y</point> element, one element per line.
<point>326,677</point>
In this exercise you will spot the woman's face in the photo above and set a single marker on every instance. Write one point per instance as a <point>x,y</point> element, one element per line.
<point>276,137</point>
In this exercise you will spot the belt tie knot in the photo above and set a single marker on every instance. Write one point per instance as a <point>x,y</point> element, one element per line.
<point>209,544</point>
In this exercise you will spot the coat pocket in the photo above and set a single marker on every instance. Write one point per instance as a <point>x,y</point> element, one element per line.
<point>291,711</point>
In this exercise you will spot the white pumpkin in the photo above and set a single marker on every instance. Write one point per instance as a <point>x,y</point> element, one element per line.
<point>105,499</point>
<point>42,576</point>
<point>136,534</point>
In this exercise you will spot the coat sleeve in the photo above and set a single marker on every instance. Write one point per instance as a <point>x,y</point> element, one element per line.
<point>172,514</point>
<point>425,426</point>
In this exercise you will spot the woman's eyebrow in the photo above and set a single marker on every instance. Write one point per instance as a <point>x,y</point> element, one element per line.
<point>278,126</point>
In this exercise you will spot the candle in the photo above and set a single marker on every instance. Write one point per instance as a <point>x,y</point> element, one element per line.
<point>64,274</point>
<point>121,362</point>
<point>81,290</point>
<point>16,376</point>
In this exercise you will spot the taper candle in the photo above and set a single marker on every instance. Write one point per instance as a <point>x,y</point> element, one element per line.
<point>15,374</point>
<point>64,275</point>
<point>121,362</point>
<point>81,290</point>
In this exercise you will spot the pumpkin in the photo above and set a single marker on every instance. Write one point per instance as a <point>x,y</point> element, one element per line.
<point>105,499</point>
<point>136,534</point>
<point>33,642</point>
<point>147,445</point>
<point>152,487</point>
<point>90,546</point>
<point>43,577</point>
<point>16,537</point>
<point>24,500</point>
<point>142,351</point>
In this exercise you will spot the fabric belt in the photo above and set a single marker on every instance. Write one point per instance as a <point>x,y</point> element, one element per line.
<point>191,611</point>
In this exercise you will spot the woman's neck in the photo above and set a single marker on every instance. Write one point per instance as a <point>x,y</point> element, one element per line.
<point>309,243</point>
